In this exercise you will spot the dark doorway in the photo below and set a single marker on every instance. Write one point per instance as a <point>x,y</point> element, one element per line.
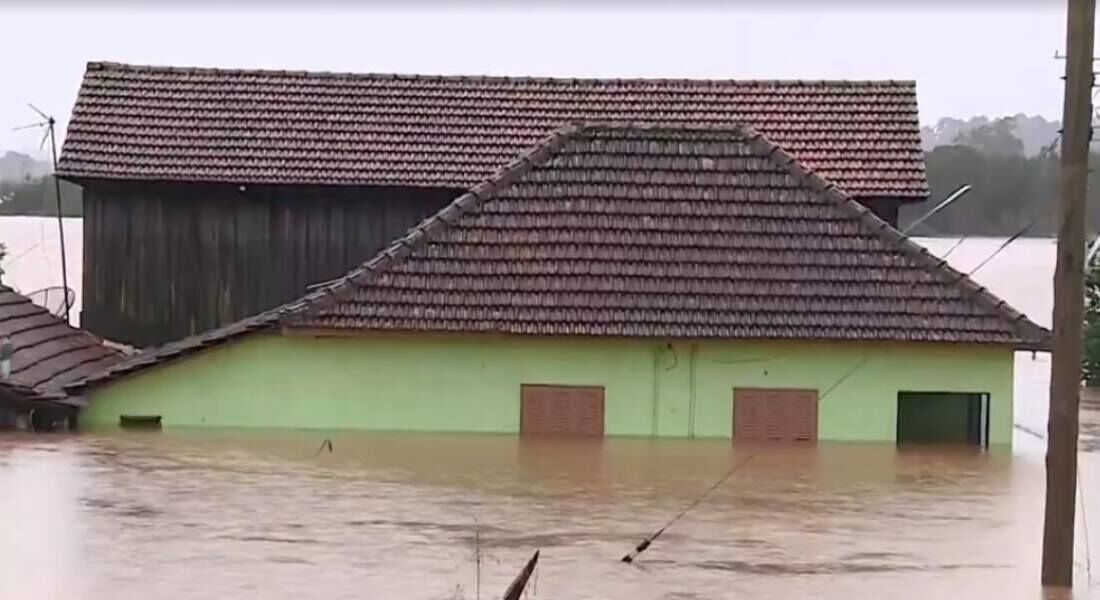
<point>943,418</point>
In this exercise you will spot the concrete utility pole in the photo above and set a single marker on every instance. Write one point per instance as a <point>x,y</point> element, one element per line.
<point>1069,299</point>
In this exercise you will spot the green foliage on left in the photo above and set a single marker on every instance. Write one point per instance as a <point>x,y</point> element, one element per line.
<point>1090,360</point>
<point>37,197</point>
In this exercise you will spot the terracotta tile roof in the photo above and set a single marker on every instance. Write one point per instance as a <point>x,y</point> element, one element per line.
<point>240,126</point>
<point>48,353</point>
<point>652,232</point>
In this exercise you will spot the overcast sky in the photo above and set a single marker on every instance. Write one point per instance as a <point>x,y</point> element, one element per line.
<point>977,60</point>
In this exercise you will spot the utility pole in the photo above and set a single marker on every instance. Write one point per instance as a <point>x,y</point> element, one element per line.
<point>1069,292</point>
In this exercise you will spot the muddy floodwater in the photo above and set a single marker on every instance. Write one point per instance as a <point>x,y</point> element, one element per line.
<point>240,515</point>
<point>255,515</point>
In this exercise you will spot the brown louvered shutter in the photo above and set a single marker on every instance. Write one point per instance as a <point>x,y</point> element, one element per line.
<point>561,410</point>
<point>775,422</point>
<point>746,416</point>
<point>774,415</point>
<point>802,411</point>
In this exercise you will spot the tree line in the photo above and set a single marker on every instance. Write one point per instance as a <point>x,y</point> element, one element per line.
<point>38,197</point>
<point>1011,191</point>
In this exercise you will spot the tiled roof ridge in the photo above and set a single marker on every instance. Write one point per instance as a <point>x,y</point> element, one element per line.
<point>419,235</point>
<point>93,66</point>
<point>916,252</point>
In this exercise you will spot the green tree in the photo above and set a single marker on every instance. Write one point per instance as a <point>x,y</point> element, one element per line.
<point>1009,191</point>
<point>993,139</point>
<point>38,197</point>
<point>1090,367</point>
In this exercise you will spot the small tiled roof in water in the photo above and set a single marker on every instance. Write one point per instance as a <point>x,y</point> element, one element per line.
<point>48,352</point>
<point>690,232</point>
<point>293,127</point>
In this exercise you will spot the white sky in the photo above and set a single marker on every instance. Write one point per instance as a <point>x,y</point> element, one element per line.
<point>981,60</point>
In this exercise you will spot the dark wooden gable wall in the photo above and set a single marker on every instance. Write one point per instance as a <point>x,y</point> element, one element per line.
<point>163,261</point>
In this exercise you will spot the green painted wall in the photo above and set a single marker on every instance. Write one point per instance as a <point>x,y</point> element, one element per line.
<point>455,383</point>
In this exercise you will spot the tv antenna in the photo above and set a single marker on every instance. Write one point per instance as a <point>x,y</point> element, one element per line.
<point>48,124</point>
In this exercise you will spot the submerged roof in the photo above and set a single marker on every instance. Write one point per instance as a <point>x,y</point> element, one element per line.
<point>251,126</point>
<point>651,232</point>
<point>48,352</point>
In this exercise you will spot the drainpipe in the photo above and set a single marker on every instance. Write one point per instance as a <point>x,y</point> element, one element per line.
<point>654,395</point>
<point>6,351</point>
<point>691,390</point>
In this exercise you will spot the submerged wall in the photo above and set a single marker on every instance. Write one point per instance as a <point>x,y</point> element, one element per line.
<point>456,383</point>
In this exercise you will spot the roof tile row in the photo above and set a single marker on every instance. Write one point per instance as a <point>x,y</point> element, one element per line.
<point>163,123</point>
<point>48,353</point>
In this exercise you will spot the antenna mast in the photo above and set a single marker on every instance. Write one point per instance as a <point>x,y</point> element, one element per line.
<point>48,123</point>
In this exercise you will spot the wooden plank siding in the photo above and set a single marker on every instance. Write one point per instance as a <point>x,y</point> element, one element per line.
<point>164,261</point>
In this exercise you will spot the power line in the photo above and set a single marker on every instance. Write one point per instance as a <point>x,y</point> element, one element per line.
<point>952,248</point>
<point>1008,241</point>
<point>644,544</point>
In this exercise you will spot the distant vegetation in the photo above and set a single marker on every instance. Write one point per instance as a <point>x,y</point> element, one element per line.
<point>1012,185</point>
<point>26,188</point>
<point>1090,363</point>
<point>1035,133</point>
<point>37,197</point>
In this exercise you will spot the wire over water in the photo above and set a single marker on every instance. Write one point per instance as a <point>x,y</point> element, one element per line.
<point>1005,244</point>
<point>644,544</point>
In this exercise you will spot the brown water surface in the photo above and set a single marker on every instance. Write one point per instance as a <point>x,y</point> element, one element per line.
<point>235,514</point>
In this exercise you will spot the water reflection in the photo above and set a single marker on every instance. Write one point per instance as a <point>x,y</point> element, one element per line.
<point>238,514</point>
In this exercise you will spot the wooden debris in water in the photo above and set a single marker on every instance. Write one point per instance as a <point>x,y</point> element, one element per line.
<point>520,582</point>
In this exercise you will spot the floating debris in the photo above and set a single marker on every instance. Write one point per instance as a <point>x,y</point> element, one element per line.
<point>520,582</point>
<point>641,547</point>
<point>325,444</point>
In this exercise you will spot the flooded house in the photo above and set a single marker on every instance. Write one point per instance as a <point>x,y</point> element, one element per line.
<point>39,354</point>
<point>615,279</point>
<point>211,195</point>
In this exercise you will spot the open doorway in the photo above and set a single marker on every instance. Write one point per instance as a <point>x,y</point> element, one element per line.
<point>943,418</point>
